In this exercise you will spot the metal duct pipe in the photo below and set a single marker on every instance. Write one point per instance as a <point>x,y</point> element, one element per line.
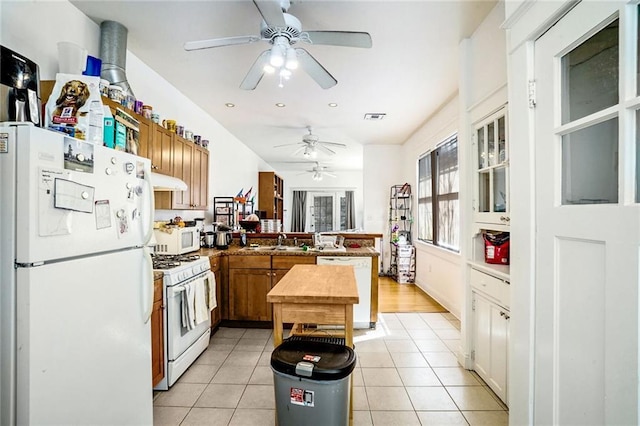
<point>113,52</point>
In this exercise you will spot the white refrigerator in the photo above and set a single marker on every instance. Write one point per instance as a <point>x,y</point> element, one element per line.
<point>76,281</point>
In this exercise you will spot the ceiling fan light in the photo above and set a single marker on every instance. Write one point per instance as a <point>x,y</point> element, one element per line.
<point>306,153</point>
<point>292,59</point>
<point>285,73</point>
<point>317,176</point>
<point>276,59</point>
<point>313,153</point>
<point>268,69</point>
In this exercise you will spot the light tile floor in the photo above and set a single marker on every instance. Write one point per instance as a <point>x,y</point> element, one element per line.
<point>407,374</point>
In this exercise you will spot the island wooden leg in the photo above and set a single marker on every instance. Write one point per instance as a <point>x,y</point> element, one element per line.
<point>277,324</point>
<point>348,341</point>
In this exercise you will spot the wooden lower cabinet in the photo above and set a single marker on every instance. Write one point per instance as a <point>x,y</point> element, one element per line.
<point>157,334</point>
<point>251,278</point>
<point>216,268</point>
<point>248,290</point>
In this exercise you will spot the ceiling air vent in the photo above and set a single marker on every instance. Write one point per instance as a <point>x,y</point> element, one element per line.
<point>375,116</point>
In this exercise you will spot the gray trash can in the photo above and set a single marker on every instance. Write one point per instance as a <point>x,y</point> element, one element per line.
<point>311,380</point>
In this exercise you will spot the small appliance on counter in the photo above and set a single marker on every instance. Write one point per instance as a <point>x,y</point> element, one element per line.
<point>209,239</point>
<point>223,239</point>
<point>177,240</point>
<point>19,88</point>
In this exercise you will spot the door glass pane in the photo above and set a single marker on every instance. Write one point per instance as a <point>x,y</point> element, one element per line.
<point>590,75</point>
<point>343,213</point>
<point>590,164</point>
<point>323,213</point>
<point>484,192</point>
<point>500,189</point>
<point>502,141</point>
<point>482,156</point>
<point>491,148</point>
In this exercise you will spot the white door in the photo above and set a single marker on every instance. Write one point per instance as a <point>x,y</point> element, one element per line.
<point>587,218</point>
<point>326,211</point>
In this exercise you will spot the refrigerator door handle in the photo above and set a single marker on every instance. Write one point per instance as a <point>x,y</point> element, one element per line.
<point>151,211</point>
<point>147,286</point>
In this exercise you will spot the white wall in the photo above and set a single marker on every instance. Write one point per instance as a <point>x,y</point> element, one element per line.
<point>383,168</point>
<point>33,29</point>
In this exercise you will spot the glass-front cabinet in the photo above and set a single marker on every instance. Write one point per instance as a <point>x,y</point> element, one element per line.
<point>491,200</point>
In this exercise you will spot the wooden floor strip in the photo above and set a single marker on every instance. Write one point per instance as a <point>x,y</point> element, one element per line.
<point>394,297</point>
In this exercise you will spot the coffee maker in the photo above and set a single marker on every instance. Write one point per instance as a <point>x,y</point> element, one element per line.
<point>19,88</point>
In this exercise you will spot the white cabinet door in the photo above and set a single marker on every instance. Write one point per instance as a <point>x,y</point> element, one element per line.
<point>491,203</point>
<point>490,342</point>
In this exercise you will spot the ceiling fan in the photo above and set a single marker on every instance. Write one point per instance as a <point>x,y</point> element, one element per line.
<point>311,144</point>
<point>283,30</point>
<point>319,172</point>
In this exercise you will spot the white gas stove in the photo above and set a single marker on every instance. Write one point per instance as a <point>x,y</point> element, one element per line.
<point>183,274</point>
<point>179,268</point>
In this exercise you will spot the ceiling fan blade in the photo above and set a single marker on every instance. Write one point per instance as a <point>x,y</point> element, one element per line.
<point>341,38</point>
<point>287,144</point>
<point>256,72</point>
<point>219,42</point>
<point>325,149</point>
<point>333,144</point>
<point>298,151</point>
<point>315,70</point>
<point>329,174</point>
<point>271,12</point>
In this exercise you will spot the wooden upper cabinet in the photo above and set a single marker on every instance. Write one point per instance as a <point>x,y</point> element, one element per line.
<point>200,178</point>
<point>190,164</point>
<point>160,150</point>
<point>182,169</point>
<point>270,194</point>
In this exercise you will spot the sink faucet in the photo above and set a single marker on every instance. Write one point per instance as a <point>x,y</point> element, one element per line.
<point>281,236</point>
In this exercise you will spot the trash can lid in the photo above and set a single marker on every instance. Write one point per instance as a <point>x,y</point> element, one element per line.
<point>313,360</point>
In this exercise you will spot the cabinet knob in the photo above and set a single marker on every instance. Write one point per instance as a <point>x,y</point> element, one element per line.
<point>506,317</point>
<point>502,314</point>
<point>154,167</point>
<point>505,218</point>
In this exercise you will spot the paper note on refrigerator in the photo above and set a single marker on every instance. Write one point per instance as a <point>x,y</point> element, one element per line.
<point>51,221</point>
<point>71,195</point>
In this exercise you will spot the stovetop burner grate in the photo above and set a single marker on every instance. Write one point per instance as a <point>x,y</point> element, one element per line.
<point>168,261</point>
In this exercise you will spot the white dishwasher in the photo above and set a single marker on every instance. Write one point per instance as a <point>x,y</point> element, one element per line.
<point>362,268</point>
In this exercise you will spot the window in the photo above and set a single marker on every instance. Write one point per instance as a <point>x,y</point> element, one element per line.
<point>438,204</point>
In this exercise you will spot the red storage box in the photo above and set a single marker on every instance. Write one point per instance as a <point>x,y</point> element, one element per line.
<point>496,248</point>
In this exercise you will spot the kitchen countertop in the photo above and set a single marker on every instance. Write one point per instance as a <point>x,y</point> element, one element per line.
<point>246,251</point>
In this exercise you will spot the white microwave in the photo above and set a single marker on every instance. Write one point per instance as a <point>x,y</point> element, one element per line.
<point>177,240</point>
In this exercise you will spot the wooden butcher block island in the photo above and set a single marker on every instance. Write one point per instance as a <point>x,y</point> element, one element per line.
<point>315,294</point>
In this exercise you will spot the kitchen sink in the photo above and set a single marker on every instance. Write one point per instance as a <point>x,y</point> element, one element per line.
<point>259,248</point>
<point>287,248</point>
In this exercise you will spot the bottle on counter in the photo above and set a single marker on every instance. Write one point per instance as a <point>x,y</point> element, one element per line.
<point>243,238</point>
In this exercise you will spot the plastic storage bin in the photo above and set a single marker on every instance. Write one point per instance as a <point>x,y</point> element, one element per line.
<point>311,380</point>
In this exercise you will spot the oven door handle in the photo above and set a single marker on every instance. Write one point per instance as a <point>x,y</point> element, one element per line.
<point>147,286</point>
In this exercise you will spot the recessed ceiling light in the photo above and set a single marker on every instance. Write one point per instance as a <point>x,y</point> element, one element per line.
<point>333,104</point>
<point>280,105</point>
<point>229,105</point>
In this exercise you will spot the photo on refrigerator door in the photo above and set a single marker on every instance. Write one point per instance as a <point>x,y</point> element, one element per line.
<point>78,155</point>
